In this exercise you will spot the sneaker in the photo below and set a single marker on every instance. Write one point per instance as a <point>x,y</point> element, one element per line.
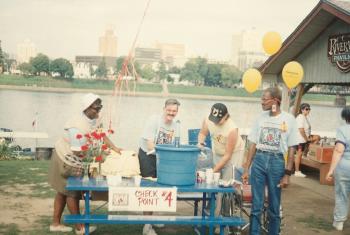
<point>148,230</point>
<point>60,228</point>
<point>338,225</point>
<point>82,230</point>
<point>159,225</point>
<point>299,174</point>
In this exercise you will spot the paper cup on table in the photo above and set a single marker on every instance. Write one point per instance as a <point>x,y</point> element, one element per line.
<point>137,180</point>
<point>114,180</point>
<point>216,177</point>
<point>209,174</point>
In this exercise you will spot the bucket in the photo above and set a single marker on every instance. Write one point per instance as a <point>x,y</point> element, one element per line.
<point>43,153</point>
<point>176,166</point>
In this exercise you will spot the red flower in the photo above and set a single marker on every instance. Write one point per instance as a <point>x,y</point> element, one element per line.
<point>99,158</point>
<point>79,136</point>
<point>87,136</point>
<point>110,131</point>
<point>95,135</point>
<point>104,147</point>
<point>81,156</point>
<point>84,147</point>
<point>103,134</point>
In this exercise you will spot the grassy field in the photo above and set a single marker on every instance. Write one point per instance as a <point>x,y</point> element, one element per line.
<point>38,81</point>
<point>28,181</point>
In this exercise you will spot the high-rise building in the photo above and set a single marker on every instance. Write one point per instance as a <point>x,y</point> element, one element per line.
<point>173,54</point>
<point>108,43</point>
<point>247,51</point>
<point>147,55</point>
<point>25,51</point>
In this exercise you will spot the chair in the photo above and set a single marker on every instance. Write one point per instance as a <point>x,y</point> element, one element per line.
<point>193,138</point>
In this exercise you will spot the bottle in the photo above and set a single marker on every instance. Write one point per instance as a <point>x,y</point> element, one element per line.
<point>177,134</point>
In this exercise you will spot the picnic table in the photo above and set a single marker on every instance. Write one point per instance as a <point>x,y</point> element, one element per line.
<point>203,220</point>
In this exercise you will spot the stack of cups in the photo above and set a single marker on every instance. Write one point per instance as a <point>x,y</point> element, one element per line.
<point>200,176</point>
<point>216,178</point>
<point>209,175</point>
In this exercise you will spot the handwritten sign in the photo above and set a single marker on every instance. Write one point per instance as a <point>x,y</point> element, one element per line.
<point>142,199</point>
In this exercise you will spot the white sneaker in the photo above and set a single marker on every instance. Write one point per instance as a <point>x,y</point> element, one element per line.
<point>148,230</point>
<point>338,225</point>
<point>299,174</point>
<point>60,228</point>
<point>82,230</point>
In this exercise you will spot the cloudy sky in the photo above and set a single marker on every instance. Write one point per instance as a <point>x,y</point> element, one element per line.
<point>65,28</point>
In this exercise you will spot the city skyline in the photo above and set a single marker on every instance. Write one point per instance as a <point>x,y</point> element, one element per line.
<point>69,28</point>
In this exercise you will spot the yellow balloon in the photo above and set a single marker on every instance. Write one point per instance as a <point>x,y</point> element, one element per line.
<point>292,74</point>
<point>251,80</point>
<point>272,42</point>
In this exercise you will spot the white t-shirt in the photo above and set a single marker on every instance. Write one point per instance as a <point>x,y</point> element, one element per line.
<point>158,131</point>
<point>274,133</point>
<point>303,122</point>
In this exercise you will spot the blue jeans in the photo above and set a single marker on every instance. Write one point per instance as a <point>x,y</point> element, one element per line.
<point>267,170</point>
<point>342,189</point>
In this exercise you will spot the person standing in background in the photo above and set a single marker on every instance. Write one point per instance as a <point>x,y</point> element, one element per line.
<point>304,136</point>
<point>340,171</point>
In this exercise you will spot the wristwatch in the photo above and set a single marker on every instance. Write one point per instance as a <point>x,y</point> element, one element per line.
<point>287,172</point>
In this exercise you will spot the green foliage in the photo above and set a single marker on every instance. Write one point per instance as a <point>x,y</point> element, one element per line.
<point>101,71</point>
<point>147,72</point>
<point>2,60</point>
<point>192,72</point>
<point>26,68</point>
<point>162,71</point>
<point>132,65</point>
<point>230,75</point>
<point>40,63</point>
<point>7,151</point>
<point>63,67</point>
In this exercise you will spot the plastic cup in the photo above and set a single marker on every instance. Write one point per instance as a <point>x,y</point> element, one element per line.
<point>114,180</point>
<point>216,177</point>
<point>209,176</point>
<point>200,176</point>
<point>137,180</point>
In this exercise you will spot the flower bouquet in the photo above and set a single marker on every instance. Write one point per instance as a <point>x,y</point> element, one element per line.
<point>93,150</point>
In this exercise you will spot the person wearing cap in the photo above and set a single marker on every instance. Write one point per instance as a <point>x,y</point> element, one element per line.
<point>159,129</point>
<point>304,136</point>
<point>273,134</point>
<point>66,160</point>
<point>227,143</point>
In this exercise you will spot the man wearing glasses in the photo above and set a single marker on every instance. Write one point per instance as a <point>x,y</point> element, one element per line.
<point>273,134</point>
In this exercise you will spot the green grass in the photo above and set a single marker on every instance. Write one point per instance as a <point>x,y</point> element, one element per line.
<point>316,223</point>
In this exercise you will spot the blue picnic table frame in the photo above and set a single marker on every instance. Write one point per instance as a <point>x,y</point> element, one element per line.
<point>208,191</point>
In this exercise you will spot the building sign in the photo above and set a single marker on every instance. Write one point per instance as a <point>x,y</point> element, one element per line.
<point>339,51</point>
<point>142,199</point>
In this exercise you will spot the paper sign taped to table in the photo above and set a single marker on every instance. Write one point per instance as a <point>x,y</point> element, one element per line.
<point>142,199</point>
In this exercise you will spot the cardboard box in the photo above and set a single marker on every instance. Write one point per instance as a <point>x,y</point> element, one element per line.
<point>322,154</point>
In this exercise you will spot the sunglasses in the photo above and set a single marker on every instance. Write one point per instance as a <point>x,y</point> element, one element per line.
<point>97,108</point>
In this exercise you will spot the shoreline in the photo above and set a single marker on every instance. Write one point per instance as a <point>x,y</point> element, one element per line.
<point>147,94</point>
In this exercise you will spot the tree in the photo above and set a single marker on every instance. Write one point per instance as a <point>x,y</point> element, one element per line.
<point>162,72</point>
<point>2,60</point>
<point>40,63</point>
<point>230,75</point>
<point>101,71</point>
<point>63,67</point>
<point>147,72</point>
<point>195,70</point>
<point>214,75</point>
<point>26,68</point>
<point>131,66</point>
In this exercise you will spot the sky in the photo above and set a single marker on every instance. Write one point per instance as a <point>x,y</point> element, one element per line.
<point>66,28</point>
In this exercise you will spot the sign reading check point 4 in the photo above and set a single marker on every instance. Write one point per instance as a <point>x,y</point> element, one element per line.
<point>142,199</point>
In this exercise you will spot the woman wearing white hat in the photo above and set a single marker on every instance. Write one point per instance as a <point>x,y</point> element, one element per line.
<point>65,161</point>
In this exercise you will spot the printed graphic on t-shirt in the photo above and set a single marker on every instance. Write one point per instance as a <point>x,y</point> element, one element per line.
<point>164,136</point>
<point>270,138</point>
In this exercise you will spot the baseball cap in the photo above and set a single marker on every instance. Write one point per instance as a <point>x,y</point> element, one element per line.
<point>218,111</point>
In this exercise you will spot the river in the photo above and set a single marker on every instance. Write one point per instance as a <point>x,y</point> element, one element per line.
<point>129,113</point>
